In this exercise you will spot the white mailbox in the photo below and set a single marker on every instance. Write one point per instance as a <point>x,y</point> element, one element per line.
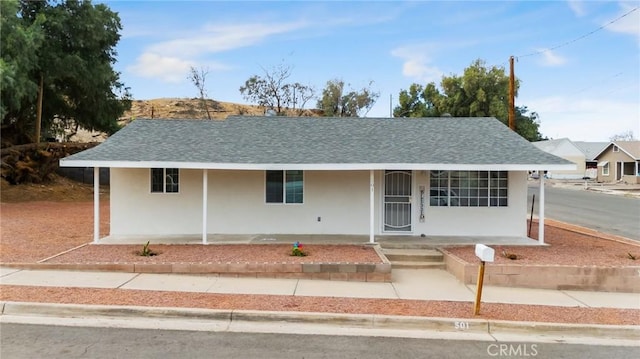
<point>485,253</point>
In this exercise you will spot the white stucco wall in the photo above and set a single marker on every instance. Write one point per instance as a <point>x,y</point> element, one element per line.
<point>341,200</point>
<point>137,211</point>
<point>236,205</point>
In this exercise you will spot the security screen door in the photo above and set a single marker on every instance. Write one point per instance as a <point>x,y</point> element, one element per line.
<point>397,201</point>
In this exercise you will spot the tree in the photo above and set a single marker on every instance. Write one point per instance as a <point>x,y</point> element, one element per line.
<point>73,62</point>
<point>335,102</point>
<point>274,92</point>
<point>19,45</point>
<point>198,77</point>
<point>623,136</point>
<point>481,91</point>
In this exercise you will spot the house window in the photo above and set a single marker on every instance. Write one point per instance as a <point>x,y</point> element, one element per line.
<point>469,189</point>
<point>284,187</point>
<point>605,169</point>
<point>616,148</point>
<point>165,180</point>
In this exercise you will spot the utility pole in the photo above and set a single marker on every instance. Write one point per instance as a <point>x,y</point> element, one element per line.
<point>512,101</point>
<point>39,108</point>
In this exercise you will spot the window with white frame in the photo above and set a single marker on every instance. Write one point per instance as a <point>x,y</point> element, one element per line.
<point>284,187</point>
<point>165,180</point>
<point>605,169</point>
<point>468,188</point>
<point>616,148</point>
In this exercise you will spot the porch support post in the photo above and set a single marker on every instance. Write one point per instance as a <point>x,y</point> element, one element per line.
<point>541,212</point>
<point>205,187</point>
<point>96,204</point>
<point>371,211</point>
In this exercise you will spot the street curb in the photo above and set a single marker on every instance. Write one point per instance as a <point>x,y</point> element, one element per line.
<point>364,321</point>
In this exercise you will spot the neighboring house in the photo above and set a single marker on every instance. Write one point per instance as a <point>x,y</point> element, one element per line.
<point>591,150</point>
<point>566,149</point>
<point>314,175</point>
<point>619,161</point>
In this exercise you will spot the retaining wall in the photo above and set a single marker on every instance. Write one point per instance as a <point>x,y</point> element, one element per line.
<point>557,277</point>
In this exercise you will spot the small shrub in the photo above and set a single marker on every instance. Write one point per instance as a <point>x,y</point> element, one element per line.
<point>146,251</point>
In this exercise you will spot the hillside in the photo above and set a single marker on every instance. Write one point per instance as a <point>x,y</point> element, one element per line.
<point>182,108</point>
<point>187,108</point>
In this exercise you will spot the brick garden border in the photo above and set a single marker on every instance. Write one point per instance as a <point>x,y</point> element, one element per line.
<point>354,272</point>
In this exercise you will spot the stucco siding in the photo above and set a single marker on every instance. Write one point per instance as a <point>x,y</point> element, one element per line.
<point>137,211</point>
<point>340,200</point>
<point>335,202</point>
<point>614,170</point>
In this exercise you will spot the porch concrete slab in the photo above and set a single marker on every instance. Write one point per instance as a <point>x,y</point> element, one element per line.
<point>512,295</point>
<point>606,299</point>
<point>429,284</point>
<point>212,239</point>
<point>273,286</point>
<point>6,271</point>
<point>171,282</point>
<point>54,278</point>
<point>328,288</point>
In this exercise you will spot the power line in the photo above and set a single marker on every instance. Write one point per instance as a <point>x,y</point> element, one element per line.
<point>581,37</point>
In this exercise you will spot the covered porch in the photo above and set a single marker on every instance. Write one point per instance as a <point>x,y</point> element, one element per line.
<point>391,240</point>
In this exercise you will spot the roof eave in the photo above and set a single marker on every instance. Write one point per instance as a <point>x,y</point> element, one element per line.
<point>317,166</point>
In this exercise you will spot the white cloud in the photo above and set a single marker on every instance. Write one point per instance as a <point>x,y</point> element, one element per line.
<point>164,68</point>
<point>550,58</point>
<point>630,24</point>
<point>577,6</point>
<point>417,63</point>
<point>218,38</point>
<point>169,61</point>
<point>585,119</point>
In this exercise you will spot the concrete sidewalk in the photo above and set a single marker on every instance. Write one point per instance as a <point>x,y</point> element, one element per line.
<point>417,284</point>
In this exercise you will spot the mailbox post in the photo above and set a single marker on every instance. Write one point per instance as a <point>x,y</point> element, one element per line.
<point>485,254</point>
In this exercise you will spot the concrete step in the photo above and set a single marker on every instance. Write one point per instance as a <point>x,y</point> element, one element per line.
<point>413,255</point>
<point>396,245</point>
<point>417,265</point>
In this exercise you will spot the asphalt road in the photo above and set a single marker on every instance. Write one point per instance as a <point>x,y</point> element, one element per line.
<point>41,341</point>
<point>613,214</point>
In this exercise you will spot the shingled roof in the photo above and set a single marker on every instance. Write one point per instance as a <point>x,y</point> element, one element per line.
<point>242,142</point>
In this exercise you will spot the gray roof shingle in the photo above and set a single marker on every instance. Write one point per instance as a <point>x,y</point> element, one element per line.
<point>318,140</point>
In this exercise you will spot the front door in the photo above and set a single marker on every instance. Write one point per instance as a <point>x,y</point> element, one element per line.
<point>397,201</point>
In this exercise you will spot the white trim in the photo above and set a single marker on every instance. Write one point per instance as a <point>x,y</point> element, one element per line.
<point>371,206</point>
<point>205,194</point>
<point>620,148</point>
<point>603,163</point>
<point>96,204</point>
<point>541,212</point>
<point>318,166</point>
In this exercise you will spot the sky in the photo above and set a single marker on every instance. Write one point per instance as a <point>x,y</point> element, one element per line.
<point>578,62</point>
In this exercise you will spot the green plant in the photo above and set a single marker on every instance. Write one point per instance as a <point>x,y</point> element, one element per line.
<point>146,251</point>
<point>297,251</point>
